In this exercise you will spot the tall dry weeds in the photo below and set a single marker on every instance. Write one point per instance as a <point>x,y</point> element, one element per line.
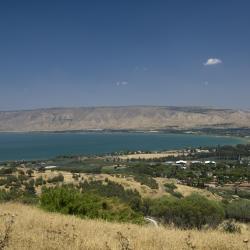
<point>35,229</point>
<point>8,220</point>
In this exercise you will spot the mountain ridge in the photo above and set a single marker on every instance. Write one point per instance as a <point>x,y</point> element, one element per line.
<point>122,118</point>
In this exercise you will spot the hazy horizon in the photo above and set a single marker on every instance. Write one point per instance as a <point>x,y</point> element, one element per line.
<point>87,54</point>
<point>124,106</point>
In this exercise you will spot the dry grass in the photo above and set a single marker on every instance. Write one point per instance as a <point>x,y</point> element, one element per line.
<point>186,190</point>
<point>147,156</point>
<point>36,229</point>
<point>129,183</point>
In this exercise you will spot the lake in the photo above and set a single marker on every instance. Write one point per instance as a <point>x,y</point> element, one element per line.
<point>28,146</point>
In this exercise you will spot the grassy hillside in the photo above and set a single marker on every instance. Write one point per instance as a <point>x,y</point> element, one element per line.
<point>128,183</point>
<point>32,228</point>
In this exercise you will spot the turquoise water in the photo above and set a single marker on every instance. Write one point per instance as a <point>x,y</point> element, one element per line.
<point>27,146</point>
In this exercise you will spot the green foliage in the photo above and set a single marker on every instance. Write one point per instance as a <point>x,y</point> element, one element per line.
<point>230,226</point>
<point>18,195</point>
<point>55,179</point>
<point>23,178</point>
<point>170,186</point>
<point>69,200</point>
<point>228,193</point>
<point>193,211</point>
<point>5,171</point>
<point>113,189</point>
<point>239,210</point>
<point>39,181</point>
<point>144,168</point>
<point>147,180</point>
<point>9,195</point>
<point>29,187</point>
<point>30,172</point>
<point>176,194</point>
<point>10,180</point>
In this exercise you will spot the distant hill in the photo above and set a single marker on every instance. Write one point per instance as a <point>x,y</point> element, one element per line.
<point>122,118</point>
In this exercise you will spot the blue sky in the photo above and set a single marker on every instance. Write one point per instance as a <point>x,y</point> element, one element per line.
<point>110,53</point>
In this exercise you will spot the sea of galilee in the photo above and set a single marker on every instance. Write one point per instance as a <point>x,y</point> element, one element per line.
<point>28,146</point>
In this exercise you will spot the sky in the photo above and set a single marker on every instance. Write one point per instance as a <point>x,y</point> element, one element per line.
<point>118,53</point>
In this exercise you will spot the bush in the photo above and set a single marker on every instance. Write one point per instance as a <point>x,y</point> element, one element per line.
<point>55,179</point>
<point>239,210</point>
<point>193,211</point>
<point>29,187</point>
<point>170,186</point>
<point>147,180</point>
<point>69,200</point>
<point>39,181</point>
<point>18,195</point>
<point>113,189</point>
<point>176,194</point>
<point>9,195</point>
<point>30,172</point>
<point>230,226</point>
<point>6,171</point>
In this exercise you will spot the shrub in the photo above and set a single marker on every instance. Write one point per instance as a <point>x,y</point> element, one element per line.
<point>3,181</point>
<point>55,179</point>
<point>69,200</point>
<point>39,181</point>
<point>18,195</point>
<point>230,226</point>
<point>23,178</point>
<point>29,187</point>
<point>30,172</point>
<point>5,171</point>
<point>11,179</point>
<point>147,180</point>
<point>176,194</point>
<point>170,186</point>
<point>193,211</point>
<point>112,189</point>
<point>239,210</point>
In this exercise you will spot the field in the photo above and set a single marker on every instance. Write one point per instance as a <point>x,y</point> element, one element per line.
<point>33,228</point>
<point>148,156</point>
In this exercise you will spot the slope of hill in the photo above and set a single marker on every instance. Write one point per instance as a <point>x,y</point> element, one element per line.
<point>121,118</point>
<point>32,228</point>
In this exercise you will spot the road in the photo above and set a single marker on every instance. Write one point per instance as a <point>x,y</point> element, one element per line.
<point>152,221</point>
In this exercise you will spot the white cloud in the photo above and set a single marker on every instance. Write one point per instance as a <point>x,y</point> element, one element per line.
<point>122,83</point>
<point>212,61</point>
<point>141,69</point>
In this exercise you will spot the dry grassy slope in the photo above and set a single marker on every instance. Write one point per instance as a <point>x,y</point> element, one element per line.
<point>130,183</point>
<point>121,118</point>
<point>36,229</point>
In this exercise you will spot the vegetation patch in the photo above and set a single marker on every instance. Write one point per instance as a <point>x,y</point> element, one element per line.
<point>239,210</point>
<point>70,200</point>
<point>193,211</point>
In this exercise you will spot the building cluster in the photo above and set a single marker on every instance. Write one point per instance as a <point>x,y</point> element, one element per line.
<point>184,164</point>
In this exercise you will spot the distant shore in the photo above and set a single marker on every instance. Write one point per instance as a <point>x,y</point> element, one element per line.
<point>237,132</point>
<point>44,145</point>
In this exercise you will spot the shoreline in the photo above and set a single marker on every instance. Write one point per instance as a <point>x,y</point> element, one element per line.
<point>245,139</point>
<point>163,151</point>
